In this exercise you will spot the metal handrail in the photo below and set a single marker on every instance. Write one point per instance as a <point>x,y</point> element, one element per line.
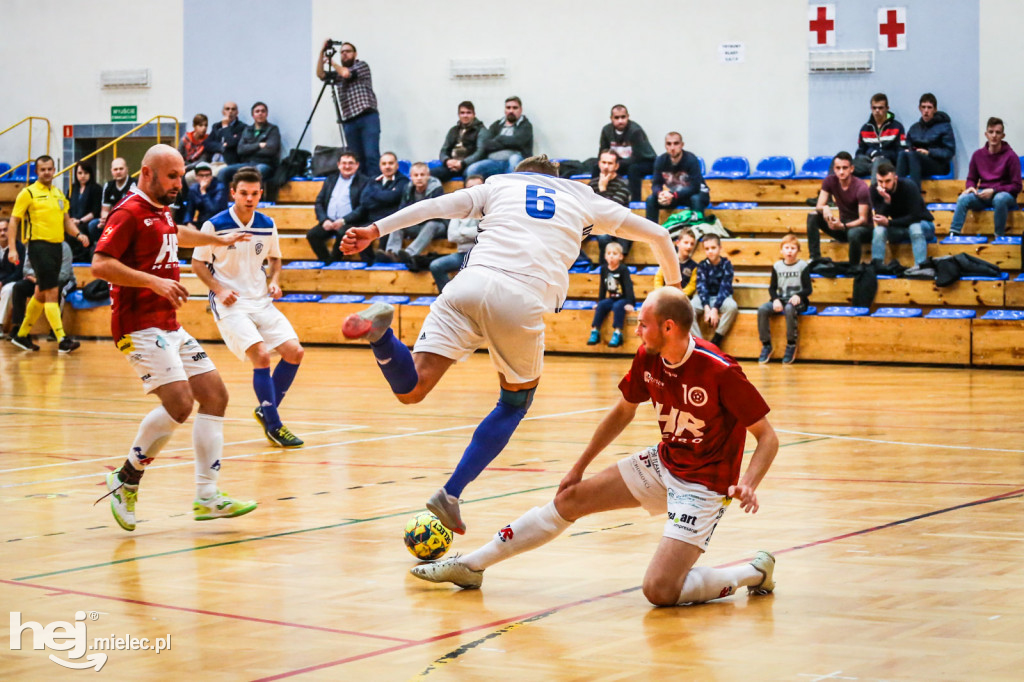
<point>113,143</point>
<point>28,161</point>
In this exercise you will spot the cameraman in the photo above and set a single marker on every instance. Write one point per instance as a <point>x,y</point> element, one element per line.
<point>359,116</point>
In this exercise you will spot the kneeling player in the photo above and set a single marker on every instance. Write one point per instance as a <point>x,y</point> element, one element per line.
<point>705,405</point>
<point>138,255</point>
<point>240,300</point>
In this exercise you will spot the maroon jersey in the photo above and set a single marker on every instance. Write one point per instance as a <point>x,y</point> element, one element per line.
<point>704,405</point>
<point>144,237</point>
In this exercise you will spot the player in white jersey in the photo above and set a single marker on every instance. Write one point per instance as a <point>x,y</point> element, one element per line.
<point>531,227</point>
<point>240,298</point>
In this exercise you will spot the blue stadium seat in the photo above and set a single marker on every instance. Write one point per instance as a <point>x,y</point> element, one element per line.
<point>423,300</point>
<point>1007,240</point>
<point>729,168</point>
<point>951,314</point>
<point>434,163</point>
<point>1019,278</point>
<point>19,174</point>
<point>343,298</point>
<point>946,176</point>
<point>581,176</point>
<point>811,310</point>
<point>392,299</point>
<point>300,298</point>
<point>734,206</point>
<point>941,207</point>
<point>775,167</point>
<point>403,166</point>
<point>4,167</point>
<point>649,270</point>
<point>702,168</point>
<point>1003,276</point>
<point>579,305</point>
<point>387,266</point>
<point>964,239</point>
<point>633,205</point>
<point>79,302</point>
<point>303,265</point>
<point>346,265</point>
<point>996,315</point>
<point>814,167</point>
<point>898,312</point>
<point>844,311</point>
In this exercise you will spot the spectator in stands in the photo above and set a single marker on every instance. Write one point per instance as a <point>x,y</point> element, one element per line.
<point>788,292</point>
<point>615,296</point>
<point>359,117</point>
<point>685,244</point>
<point>206,198</point>
<point>609,185</point>
<point>421,186</point>
<point>337,207</point>
<point>629,141</point>
<point>509,141</point>
<point>463,145</point>
<point>880,139</point>
<point>461,232</point>
<point>194,146</point>
<point>10,273</point>
<point>260,147</point>
<point>224,137</point>
<point>380,198</point>
<point>851,221</point>
<point>677,180</point>
<point>931,144</point>
<point>85,204</point>
<point>113,192</point>
<point>714,292</point>
<point>900,214</point>
<point>993,180</point>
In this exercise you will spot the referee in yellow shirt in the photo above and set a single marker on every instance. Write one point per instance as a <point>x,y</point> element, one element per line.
<point>41,211</point>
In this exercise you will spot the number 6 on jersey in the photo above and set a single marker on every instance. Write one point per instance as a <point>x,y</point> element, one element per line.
<point>540,202</point>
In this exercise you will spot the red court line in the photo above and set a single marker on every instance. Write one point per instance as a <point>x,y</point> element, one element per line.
<point>60,590</point>
<point>562,607</point>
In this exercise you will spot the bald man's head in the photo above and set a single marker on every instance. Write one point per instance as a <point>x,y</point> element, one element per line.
<point>162,173</point>
<point>669,303</point>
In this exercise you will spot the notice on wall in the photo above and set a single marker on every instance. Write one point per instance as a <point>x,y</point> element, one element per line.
<point>124,113</point>
<point>731,53</point>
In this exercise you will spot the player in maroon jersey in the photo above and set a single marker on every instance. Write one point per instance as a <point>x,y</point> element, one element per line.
<point>705,407</point>
<point>138,254</point>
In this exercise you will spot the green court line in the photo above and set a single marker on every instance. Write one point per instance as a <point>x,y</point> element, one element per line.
<point>350,522</point>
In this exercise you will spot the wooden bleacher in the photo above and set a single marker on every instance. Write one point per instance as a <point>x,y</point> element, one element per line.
<point>781,207</point>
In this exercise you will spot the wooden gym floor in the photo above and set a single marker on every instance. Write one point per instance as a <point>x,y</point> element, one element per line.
<point>894,509</point>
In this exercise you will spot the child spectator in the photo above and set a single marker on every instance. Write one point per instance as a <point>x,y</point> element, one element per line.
<point>685,245</point>
<point>714,292</point>
<point>615,294</point>
<point>193,145</point>
<point>789,290</point>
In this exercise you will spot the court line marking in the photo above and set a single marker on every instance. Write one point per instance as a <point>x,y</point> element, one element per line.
<point>899,442</point>
<point>205,612</point>
<point>129,417</point>
<point>563,607</point>
<point>310,447</point>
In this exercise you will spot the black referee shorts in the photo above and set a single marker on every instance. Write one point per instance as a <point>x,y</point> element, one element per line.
<point>46,258</point>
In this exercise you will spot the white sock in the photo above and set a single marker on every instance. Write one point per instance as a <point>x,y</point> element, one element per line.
<point>531,530</point>
<point>208,442</point>
<point>154,432</point>
<point>705,584</point>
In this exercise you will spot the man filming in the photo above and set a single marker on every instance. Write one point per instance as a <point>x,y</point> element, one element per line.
<point>359,117</point>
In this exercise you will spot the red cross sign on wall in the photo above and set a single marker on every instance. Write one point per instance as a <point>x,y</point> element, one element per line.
<point>892,28</point>
<point>822,25</point>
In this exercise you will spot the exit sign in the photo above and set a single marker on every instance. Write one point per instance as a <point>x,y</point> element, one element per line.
<point>124,114</point>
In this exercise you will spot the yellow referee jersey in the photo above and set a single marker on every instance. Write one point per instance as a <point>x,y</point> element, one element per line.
<point>41,210</point>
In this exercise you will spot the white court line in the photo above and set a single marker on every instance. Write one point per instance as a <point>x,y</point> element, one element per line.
<point>899,442</point>
<point>305,449</point>
<point>130,416</point>
<point>353,427</point>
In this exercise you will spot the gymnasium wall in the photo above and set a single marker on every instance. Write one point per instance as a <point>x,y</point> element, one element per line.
<point>1001,53</point>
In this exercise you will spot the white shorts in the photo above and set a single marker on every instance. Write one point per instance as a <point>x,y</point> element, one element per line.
<point>161,357</point>
<point>485,305</point>
<point>693,510</point>
<point>242,330</point>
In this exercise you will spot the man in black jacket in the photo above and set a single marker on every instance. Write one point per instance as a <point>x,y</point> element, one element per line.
<point>900,214</point>
<point>510,141</point>
<point>337,205</point>
<point>10,273</point>
<point>931,144</point>
<point>463,145</point>
<point>225,134</point>
<point>629,141</point>
<point>259,146</point>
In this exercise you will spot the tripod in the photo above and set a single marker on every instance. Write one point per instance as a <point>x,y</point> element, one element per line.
<point>330,78</point>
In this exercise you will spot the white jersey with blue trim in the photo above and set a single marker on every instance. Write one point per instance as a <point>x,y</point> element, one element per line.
<point>533,225</point>
<point>240,266</point>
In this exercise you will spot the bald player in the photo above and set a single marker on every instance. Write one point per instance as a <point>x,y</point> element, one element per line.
<point>138,255</point>
<point>705,406</point>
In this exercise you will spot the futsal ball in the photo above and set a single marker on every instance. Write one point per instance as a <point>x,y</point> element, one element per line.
<point>426,537</point>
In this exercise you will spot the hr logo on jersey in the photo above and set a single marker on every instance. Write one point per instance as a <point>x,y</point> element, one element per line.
<point>506,533</point>
<point>168,256</point>
<point>677,423</point>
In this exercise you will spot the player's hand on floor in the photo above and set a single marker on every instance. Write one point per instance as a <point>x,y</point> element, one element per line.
<point>745,494</point>
<point>175,292</point>
<point>358,238</point>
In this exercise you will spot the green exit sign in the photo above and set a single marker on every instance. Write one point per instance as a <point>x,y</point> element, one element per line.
<point>124,114</point>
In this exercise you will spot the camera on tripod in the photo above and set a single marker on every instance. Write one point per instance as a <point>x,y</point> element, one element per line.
<point>330,47</point>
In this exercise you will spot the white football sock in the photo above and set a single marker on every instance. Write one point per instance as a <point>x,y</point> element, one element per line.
<point>154,432</point>
<point>531,530</point>
<point>705,584</point>
<point>208,443</point>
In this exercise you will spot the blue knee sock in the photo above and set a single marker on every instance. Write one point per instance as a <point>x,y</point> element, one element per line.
<point>264,387</point>
<point>489,439</point>
<point>395,361</point>
<point>284,375</point>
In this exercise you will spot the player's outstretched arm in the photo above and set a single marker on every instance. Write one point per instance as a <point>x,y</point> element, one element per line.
<point>189,237</point>
<point>764,454</point>
<point>617,419</point>
<point>640,229</point>
<point>116,272</point>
